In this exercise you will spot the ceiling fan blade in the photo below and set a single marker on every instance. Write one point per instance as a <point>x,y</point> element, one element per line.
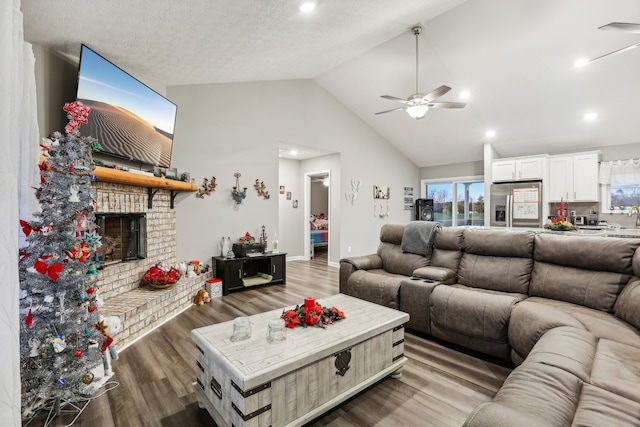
<point>388,111</point>
<point>621,26</point>
<point>393,98</point>
<point>437,93</point>
<point>615,52</point>
<point>447,104</point>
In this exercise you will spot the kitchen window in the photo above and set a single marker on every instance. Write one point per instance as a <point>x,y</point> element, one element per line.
<point>620,181</point>
<point>468,192</point>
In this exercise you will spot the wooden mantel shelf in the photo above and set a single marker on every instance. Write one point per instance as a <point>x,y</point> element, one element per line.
<point>130,178</point>
<point>153,183</point>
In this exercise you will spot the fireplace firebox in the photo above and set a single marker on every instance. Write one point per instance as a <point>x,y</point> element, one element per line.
<point>124,238</point>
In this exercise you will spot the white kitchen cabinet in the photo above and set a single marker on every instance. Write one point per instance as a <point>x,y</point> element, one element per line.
<point>573,178</point>
<point>522,169</point>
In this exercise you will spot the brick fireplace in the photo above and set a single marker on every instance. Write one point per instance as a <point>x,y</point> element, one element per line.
<point>141,308</point>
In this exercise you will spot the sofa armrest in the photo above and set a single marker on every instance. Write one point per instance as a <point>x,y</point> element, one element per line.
<point>349,265</point>
<point>439,274</point>
<point>367,262</point>
<point>414,299</point>
<point>627,306</point>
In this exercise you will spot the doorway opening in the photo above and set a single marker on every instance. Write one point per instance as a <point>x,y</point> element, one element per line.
<point>317,207</point>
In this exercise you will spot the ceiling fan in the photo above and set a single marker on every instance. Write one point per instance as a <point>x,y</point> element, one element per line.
<point>418,104</point>
<point>622,27</point>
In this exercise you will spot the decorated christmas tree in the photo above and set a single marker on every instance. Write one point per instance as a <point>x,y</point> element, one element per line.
<point>62,339</point>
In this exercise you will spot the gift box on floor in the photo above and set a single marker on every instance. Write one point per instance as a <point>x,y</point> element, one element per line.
<point>214,287</point>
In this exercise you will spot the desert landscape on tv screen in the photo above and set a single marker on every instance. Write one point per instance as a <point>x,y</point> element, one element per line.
<point>127,135</point>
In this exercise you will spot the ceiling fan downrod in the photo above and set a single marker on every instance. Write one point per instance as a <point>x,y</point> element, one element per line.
<point>416,32</point>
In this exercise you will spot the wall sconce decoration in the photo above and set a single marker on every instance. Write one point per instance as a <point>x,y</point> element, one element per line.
<point>355,188</point>
<point>381,193</point>
<point>207,187</point>
<point>261,189</point>
<point>238,196</point>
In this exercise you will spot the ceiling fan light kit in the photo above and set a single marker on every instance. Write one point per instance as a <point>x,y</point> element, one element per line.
<point>417,105</point>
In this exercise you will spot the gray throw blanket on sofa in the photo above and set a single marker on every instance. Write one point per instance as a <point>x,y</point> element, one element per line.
<point>418,237</point>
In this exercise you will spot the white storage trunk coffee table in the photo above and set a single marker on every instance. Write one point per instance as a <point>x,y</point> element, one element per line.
<point>255,383</point>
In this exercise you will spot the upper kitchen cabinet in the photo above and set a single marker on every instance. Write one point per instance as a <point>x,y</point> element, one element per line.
<point>519,169</point>
<point>573,177</point>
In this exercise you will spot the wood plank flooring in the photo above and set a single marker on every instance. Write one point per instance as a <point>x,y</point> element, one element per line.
<point>440,385</point>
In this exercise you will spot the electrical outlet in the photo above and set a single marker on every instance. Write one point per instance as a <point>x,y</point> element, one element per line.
<point>349,249</point>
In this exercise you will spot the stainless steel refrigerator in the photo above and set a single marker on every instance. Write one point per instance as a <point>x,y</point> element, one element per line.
<point>516,204</point>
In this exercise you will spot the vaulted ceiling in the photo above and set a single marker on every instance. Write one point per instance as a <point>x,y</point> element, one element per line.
<point>514,57</point>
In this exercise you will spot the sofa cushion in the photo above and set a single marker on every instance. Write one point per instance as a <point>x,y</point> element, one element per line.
<point>529,321</point>
<point>546,387</point>
<point>500,260</point>
<point>598,323</point>
<point>612,254</point>
<point>616,368</point>
<point>392,233</point>
<point>594,289</point>
<point>447,248</point>
<point>377,286</point>
<point>599,407</point>
<point>471,318</point>
<point>396,262</point>
<point>627,305</point>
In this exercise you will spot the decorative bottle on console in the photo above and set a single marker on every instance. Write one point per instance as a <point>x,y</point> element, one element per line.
<point>274,248</point>
<point>225,246</point>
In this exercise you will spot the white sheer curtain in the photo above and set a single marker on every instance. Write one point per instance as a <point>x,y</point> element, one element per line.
<point>619,171</point>
<point>18,172</point>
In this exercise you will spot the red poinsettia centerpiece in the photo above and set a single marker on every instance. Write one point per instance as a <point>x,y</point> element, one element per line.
<point>161,275</point>
<point>311,314</point>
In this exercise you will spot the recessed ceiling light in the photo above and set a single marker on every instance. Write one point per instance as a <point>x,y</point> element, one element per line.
<point>490,133</point>
<point>581,62</point>
<point>308,6</point>
<point>590,116</point>
<point>465,94</point>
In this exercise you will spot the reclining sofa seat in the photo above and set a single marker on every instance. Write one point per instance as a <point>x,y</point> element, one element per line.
<point>576,339</point>
<point>493,275</point>
<point>577,282</point>
<point>377,277</point>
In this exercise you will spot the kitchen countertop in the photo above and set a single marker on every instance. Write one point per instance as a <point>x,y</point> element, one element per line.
<point>587,231</point>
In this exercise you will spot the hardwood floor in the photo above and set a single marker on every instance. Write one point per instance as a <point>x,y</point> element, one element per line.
<point>440,385</point>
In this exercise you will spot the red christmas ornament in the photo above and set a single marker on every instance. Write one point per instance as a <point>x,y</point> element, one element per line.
<point>28,320</point>
<point>92,308</point>
<point>77,354</point>
<point>90,290</point>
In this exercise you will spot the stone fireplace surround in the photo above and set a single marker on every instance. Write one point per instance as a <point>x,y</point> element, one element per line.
<point>141,309</point>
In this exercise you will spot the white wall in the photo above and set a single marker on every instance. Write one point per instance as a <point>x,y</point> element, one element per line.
<point>236,127</point>
<point>453,170</point>
<point>291,224</point>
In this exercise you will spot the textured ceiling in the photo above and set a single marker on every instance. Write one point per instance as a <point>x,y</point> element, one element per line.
<point>514,57</point>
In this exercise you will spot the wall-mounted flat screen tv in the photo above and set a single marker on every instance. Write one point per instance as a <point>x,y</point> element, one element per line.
<point>130,120</point>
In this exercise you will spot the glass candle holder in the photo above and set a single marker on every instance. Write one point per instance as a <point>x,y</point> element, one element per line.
<point>277,331</point>
<point>241,329</point>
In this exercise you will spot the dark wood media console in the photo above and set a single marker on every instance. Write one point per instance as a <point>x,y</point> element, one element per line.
<point>234,272</point>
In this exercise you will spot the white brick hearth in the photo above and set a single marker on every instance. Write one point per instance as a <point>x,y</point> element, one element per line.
<point>142,308</point>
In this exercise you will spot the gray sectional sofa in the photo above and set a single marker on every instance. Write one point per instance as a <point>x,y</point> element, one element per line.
<point>564,309</point>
